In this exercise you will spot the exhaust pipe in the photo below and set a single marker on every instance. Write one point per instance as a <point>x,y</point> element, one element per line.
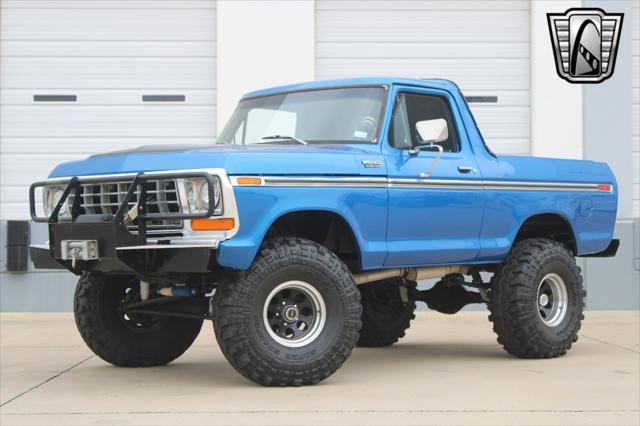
<point>411,274</point>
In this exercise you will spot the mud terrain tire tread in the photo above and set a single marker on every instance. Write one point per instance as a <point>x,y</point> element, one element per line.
<point>379,331</point>
<point>512,296</point>
<point>232,311</point>
<point>108,338</point>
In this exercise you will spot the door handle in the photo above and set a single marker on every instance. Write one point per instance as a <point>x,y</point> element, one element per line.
<point>465,169</point>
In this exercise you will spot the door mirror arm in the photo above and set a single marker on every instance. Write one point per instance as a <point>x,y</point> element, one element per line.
<point>416,149</point>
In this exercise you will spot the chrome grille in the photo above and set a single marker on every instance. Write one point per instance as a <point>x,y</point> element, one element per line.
<point>106,197</point>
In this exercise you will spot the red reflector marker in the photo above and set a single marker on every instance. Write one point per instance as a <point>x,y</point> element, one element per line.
<point>604,188</point>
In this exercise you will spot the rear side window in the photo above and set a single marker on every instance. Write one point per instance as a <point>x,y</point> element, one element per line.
<point>411,108</point>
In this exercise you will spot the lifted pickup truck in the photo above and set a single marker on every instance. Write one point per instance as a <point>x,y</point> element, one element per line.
<point>304,230</point>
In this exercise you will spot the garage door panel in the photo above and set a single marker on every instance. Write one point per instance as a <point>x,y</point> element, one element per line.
<point>482,46</point>
<point>469,74</point>
<point>15,194</point>
<point>502,122</point>
<point>108,24</point>
<point>421,50</point>
<point>91,145</point>
<point>108,54</point>
<point>506,98</point>
<point>24,169</point>
<point>635,110</point>
<point>109,4</point>
<point>88,49</point>
<point>103,73</point>
<point>86,121</point>
<point>108,97</point>
<point>508,146</point>
<point>394,25</point>
<point>412,5</point>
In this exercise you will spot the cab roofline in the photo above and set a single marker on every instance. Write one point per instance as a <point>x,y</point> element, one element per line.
<point>435,83</point>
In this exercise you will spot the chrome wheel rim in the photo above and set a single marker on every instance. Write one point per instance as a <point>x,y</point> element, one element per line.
<point>294,314</point>
<point>552,299</point>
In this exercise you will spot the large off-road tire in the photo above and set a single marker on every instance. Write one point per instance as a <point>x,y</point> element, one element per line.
<point>385,317</point>
<point>292,319</point>
<point>140,341</point>
<point>536,300</point>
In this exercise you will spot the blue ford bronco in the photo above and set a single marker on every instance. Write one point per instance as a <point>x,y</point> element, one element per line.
<point>304,229</point>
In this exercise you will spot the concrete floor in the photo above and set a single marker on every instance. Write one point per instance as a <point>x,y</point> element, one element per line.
<point>448,370</point>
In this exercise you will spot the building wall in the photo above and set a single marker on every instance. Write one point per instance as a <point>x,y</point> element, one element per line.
<point>123,50</point>
<point>482,46</point>
<point>610,129</point>
<point>109,56</point>
<point>635,115</point>
<point>277,54</point>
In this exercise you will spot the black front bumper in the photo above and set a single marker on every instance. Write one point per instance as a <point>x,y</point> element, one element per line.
<point>121,249</point>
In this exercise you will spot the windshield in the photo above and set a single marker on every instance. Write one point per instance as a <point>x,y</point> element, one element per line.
<point>348,115</point>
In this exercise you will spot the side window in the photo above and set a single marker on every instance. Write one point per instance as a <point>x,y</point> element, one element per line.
<point>400,133</point>
<point>410,109</point>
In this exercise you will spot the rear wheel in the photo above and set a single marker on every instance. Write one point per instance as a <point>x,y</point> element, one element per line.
<point>385,316</point>
<point>122,339</point>
<point>292,319</point>
<point>536,300</point>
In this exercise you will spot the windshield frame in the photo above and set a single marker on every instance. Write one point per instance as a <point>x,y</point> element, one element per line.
<point>383,110</point>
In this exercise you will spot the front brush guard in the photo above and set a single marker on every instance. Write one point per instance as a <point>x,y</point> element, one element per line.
<point>112,230</point>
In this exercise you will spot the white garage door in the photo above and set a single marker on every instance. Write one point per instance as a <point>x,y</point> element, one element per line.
<point>482,46</point>
<point>87,76</point>
<point>636,109</point>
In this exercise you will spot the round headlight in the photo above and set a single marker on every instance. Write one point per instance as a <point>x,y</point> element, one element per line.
<point>57,195</point>
<point>191,196</point>
<point>204,196</point>
<point>51,197</point>
<point>197,194</point>
<point>216,194</point>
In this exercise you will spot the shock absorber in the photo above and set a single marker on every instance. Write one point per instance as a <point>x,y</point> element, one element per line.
<point>177,291</point>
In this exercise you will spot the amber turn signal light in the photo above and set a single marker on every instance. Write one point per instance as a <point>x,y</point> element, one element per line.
<point>225,224</point>
<point>249,181</point>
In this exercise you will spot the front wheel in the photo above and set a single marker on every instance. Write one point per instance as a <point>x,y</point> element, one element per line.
<point>292,319</point>
<point>536,300</point>
<point>127,340</point>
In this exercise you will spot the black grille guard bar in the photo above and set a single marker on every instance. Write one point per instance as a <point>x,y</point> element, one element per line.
<point>139,184</point>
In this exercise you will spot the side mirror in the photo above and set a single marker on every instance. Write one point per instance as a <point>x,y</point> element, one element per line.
<point>433,131</point>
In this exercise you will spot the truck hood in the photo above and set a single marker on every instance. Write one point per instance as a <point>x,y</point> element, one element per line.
<point>235,159</point>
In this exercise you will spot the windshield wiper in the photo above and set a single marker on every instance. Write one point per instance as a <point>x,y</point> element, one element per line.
<point>285,138</point>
